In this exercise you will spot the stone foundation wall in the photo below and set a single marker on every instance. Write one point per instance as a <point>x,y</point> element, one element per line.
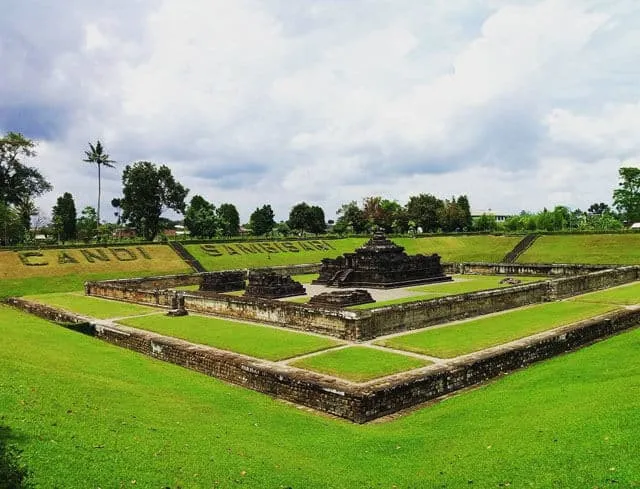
<point>403,391</point>
<point>567,287</point>
<point>536,269</point>
<point>358,325</point>
<point>357,402</point>
<point>415,315</point>
<point>333,322</point>
<point>292,269</point>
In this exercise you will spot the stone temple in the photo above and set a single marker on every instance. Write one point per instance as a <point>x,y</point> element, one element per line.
<point>380,263</point>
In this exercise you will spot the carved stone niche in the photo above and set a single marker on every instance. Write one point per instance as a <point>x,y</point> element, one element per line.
<point>342,298</point>
<point>222,281</point>
<point>270,285</point>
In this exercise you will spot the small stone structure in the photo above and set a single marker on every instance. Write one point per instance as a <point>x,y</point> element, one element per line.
<point>270,285</point>
<point>510,281</point>
<point>380,263</point>
<point>223,281</point>
<point>342,298</point>
<point>177,306</point>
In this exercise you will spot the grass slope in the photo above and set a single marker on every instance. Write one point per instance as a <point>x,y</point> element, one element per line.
<point>88,414</point>
<point>90,306</point>
<point>469,336</point>
<point>249,339</point>
<point>63,283</point>
<point>17,279</point>
<point>450,248</point>
<point>359,363</point>
<point>588,248</point>
<point>58,262</point>
<point>462,248</point>
<point>626,295</point>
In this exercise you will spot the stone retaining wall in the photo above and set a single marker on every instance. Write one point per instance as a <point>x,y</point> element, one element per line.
<point>357,402</point>
<point>535,269</point>
<point>358,325</point>
<point>414,315</point>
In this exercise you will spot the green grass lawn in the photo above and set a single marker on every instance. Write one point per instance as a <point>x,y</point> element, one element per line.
<point>216,256</point>
<point>90,306</point>
<point>305,278</point>
<point>478,334</point>
<point>462,248</point>
<point>588,248</point>
<point>625,295</point>
<point>359,363</point>
<point>88,414</point>
<point>249,339</point>
<point>462,284</point>
<point>230,255</point>
<point>14,287</point>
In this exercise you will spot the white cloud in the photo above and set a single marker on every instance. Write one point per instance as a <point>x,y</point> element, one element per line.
<point>518,104</point>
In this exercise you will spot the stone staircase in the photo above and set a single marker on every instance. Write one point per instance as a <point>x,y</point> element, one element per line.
<point>340,277</point>
<point>186,256</point>
<point>524,244</point>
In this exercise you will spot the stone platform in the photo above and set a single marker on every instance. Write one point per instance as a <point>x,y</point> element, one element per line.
<point>380,263</point>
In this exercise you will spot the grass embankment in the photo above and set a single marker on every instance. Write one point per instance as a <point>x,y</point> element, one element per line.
<point>478,334</point>
<point>462,284</point>
<point>249,339</point>
<point>90,306</point>
<point>485,248</point>
<point>359,363</point>
<point>625,295</point>
<point>584,248</point>
<point>66,270</point>
<point>89,414</point>
<point>227,256</point>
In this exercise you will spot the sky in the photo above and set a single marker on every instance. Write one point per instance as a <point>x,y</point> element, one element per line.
<point>518,104</point>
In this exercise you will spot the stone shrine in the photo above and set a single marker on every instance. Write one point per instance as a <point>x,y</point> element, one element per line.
<point>270,285</point>
<point>222,281</point>
<point>380,263</point>
<point>342,298</point>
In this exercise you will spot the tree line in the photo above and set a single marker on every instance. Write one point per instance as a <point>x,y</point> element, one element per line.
<point>148,190</point>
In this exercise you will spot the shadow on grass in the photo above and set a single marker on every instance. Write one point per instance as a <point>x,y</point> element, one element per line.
<point>13,473</point>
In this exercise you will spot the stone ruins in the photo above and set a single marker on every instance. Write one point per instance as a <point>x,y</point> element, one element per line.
<point>380,263</point>
<point>342,298</point>
<point>270,285</point>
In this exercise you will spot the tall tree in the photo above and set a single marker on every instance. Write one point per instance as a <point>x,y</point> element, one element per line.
<point>200,218</point>
<point>64,217</point>
<point>19,184</point>
<point>598,208</point>
<point>299,217</point>
<point>26,209</point>
<point>423,209</point>
<point>12,230</point>
<point>86,223</point>
<point>315,220</point>
<point>466,222</point>
<point>148,190</point>
<point>97,156</point>
<point>626,198</point>
<point>262,220</point>
<point>229,219</point>
<point>350,218</point>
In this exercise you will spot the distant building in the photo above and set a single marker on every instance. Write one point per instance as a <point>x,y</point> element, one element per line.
<point>500,216</point>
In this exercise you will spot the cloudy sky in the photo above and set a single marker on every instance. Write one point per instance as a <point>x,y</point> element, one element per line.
<point>518,104</point>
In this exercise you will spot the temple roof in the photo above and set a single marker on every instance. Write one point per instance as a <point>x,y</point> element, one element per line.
<point>379,243</point>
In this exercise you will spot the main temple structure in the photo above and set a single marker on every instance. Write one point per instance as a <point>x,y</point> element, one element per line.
<point>380,263</point>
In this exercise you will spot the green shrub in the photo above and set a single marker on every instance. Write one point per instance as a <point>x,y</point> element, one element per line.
<point>13,474</point>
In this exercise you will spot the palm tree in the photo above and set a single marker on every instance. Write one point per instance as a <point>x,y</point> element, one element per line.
<point>100,158</point>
